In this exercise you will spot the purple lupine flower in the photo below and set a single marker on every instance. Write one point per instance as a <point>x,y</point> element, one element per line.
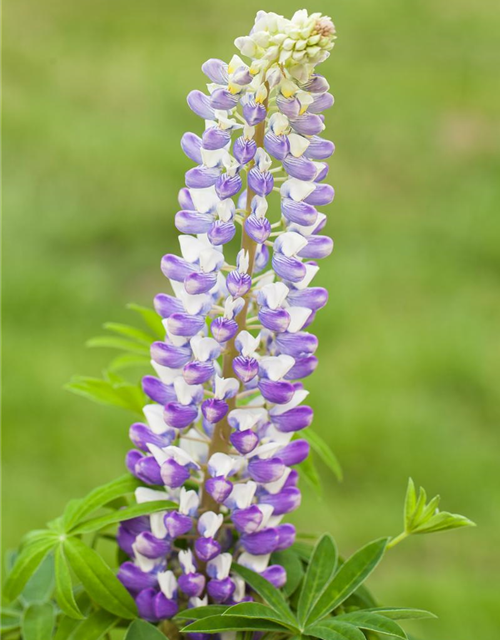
<point>226,399</point>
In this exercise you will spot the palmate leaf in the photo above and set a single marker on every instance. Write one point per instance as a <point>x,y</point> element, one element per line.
<point>38,621</point>
<point>350,575</point>
<point>258,611</point>
<point>26,564</point>
<point>319,573</point>
<point>151,318</point>
<point>64,588</point>
<point>10,619</point>
<point>265,589</point>
<point>98,580</point>
<point>133,333</point>
<point>333,629</point>
<point>322,449</point>
<point>96,626</point>
<point>219,624</point>
<point>370,621</point>
<point>290,561</point>
<point>443,521</point>
<point>40,585</point>
<point>142,630</point>
<point>198,613</point>
<point>309,472</point>
<point>124,395</point>
<point>127,360</point>
<point>120,515</point>
<point>77,510</point>
<point>401,613</point>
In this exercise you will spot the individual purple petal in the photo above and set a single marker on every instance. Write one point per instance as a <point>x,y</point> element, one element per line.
<point>259,229</point>
<point>268,470</point>
<point>276,575</point>
<point>227,185</point>
<point>244,149</point>
<point>261,542</point>
<point>200,104</point>
<point>169,356</point>
<point>148,470</point>
<point>165,305</point>
<point>261,258</point>
<point>286,533</point>
<point>185,324</point>
<point>137,525</point>
<point>134,579</point>
<point>253,112</point>
<point>245,368</point>
<point>300,168</point>
<point>317,247</point>
<point>308,124</point>
<point>321,103</point>
<point>313,298</point>
<point>164,607</point>
<point>192,584</point>
<point>179,415</point>
<point>141,436</point>
<point>200,282</point>
<point>214,138</point>
<point>292,479</point>
<point>223,99</point>
<point>298,212</point>
<point>221,232</point>
<point>244,441</point>
<point>297,344</point>
<point>295,452</point>
<point>193,222</point>
<point>206,548</point>
<point>238,284</point>
<point>177,524</point>
<point>316,84</point>
<point>215,70</point>
<point>247,520</point>
<point>274,319</point>
<point>319,149</point>
<point>191,145</point>
<point>260,182</point>
<point>289,106</point>
<point>293,420</point>
<point>185,200</point>
<point>322,172</point>
<point>131,459</point>
<point>223,329</point>
<point>201,177</point>
<point>151,547</point>
<point>176,268</point>
<point>198,372</point>
<point>125,540</point>
<point>285,501</point>
<point>145,604</point>
<point>277,146</point>
<point>279,392</point>
<point>219,488</point>
<point>302,368</point>
<point>214,410</point>
<point>220,590</point>
<point>288,268</point>
<point>173,474</point>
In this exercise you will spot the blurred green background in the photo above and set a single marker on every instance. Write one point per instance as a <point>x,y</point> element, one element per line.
<point>409,348</point>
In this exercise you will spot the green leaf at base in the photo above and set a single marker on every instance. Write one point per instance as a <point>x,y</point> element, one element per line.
<point>133,511</point>
<point>218,624</point>
<point>26,564</point>
<point>142,630</point>
<point>38,621</point>
<point>64,587</point>
<point>332,629</point>
<point>374,622</point>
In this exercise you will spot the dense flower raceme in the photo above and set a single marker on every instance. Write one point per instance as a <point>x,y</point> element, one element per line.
<point>221,436</point>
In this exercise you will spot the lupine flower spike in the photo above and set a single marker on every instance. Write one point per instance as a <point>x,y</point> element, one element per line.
<point>221,435</point>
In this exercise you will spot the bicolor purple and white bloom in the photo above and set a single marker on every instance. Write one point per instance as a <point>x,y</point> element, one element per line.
<point>224,427</point>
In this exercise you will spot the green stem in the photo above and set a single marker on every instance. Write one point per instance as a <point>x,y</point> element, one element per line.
<point>394,541</point>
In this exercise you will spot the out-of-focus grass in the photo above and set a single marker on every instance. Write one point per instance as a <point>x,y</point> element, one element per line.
<point>93,114</point>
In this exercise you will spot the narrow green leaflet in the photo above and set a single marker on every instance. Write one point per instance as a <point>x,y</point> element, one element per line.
<point>130,332</point>
<point>151,318</point>
<point>309,472</point>
<point>98,580</point>
<point>127,360</point>
<point>319,572</point>
<point>398,613</point>
<point>10,619</point>
<point>374,622</point>
<point>64,587</point>
<point>323,451</point>
<point>410,504</point>
<point>350,575</point>
<point>40,585</point>
<point>125,395</point>
<point>120,515</point>
<point>443,521</point>
<point>65,628</point>
<point>26,564</point>
<point>38,621</point>
<point>265,589</point>
<point>256,610</point>
<point>203,612</point>
<point>79,509</point>
<point>332,629</point>
<point>217,624</point>
<point>142,630</point>
<point>303,550</point>
<point>95,626</point>
<point>290,561</point>
<point>118,343</point>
